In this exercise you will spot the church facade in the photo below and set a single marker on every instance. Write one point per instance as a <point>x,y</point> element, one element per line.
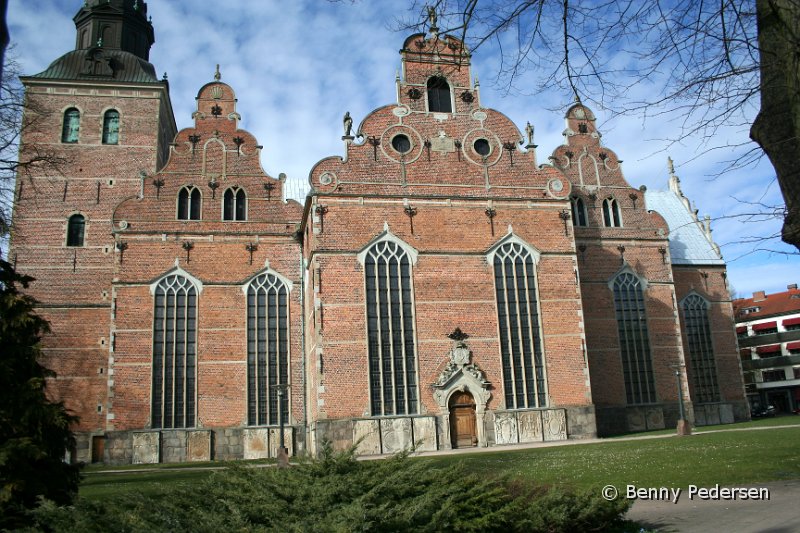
<point>440,287</point>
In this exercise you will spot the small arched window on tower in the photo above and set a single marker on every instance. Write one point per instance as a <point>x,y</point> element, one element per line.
<point>76,227</point>
<point>234,204</point>
<point>111,127</point>
<point>439,95</point>
<point>578,212</point>
<point>189,199</point>
<point>72,126</point>
<point>611,215</point>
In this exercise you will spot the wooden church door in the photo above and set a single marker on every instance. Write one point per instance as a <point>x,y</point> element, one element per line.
<point>463,430</point>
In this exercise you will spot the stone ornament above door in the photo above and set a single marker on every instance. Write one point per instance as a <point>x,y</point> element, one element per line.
<point>461,374</point>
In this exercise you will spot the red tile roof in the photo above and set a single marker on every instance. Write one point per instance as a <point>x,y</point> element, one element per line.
<point>780,303</point>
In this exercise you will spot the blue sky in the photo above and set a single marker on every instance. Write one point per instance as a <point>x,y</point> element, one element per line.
<point>298,65</point>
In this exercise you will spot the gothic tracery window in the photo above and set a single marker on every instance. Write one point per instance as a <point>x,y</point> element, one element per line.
<point>189,199</point>
<point>234,204</point>
<point>267,350</point>
<point>611,214</point>
<point>701,351</point>
<point>390,330</point>
<point>518,321</point>
<point>578,211</point>
<point>634,340</point>
<point>174,353</point>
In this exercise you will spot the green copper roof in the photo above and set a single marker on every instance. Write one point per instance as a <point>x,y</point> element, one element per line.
<point>100,64</point>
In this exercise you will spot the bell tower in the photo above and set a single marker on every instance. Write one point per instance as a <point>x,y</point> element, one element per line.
<point>115,24</point>
<point>104,120</point>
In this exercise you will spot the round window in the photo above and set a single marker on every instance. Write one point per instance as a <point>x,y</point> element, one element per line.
<point>401,143</point>
<point>482,147</point>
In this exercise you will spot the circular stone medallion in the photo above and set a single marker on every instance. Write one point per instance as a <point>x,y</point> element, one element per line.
<point>400,111</point>
<point>557,188</point>
<point>479,115</point>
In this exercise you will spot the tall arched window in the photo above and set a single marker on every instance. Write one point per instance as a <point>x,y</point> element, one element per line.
<point>390,330</point>
<point>611,215</point>
<point>701,350</point>
<point>111,127</point>
<point>578,211</point>
<point>439,95</point>
<point>234,204</point>
<point>72,125</point>
<point>76,227</point>
<point>267,349</point>
<point>189,200</point>
<point>518,321</point>
<point>634,340</point>
<point>174,353</point>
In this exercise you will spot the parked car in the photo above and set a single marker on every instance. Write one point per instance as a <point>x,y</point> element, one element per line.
<point>763,412</point>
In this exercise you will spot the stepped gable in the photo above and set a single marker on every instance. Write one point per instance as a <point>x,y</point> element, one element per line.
<point>436,139</point>
<point>212,156</point>
<point>595,172</point>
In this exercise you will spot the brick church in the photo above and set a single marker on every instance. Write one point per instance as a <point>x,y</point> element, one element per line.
<point>441,285</point>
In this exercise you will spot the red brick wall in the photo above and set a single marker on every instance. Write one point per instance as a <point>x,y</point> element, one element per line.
<point>710,282</point>
<point>219,259</point>
<point>74,284</point>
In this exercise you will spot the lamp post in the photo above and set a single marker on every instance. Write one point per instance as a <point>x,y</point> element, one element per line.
<point>283,453</point>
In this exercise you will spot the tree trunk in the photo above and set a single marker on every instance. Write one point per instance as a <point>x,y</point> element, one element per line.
<point>777,126</point>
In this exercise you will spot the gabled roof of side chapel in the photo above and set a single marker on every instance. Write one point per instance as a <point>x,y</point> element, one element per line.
<point>212,155</point>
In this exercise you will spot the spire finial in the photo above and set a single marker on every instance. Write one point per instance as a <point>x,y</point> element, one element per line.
<point>217,75</point>
<point>670,165</point>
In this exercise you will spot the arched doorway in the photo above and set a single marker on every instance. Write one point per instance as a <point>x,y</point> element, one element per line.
<point>463,429</point>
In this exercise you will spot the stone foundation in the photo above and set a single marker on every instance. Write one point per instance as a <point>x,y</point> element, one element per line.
<point>619,420</point>
<point>189,445</point>
<point>710,414</point>
<point>371,436</point>
<point>374,436</point>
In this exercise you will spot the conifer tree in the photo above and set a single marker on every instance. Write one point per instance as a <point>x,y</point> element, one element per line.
<point>34,431</point>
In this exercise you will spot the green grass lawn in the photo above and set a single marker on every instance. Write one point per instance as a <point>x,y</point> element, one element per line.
<point>727,458</point>
<point>704,459</point>
<point>785,420</point>
<point>104,486</point>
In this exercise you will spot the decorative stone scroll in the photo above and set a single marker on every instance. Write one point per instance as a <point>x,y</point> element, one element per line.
<point>458,376</point>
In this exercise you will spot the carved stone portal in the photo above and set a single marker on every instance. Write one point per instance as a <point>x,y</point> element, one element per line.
<point>458,376</point>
